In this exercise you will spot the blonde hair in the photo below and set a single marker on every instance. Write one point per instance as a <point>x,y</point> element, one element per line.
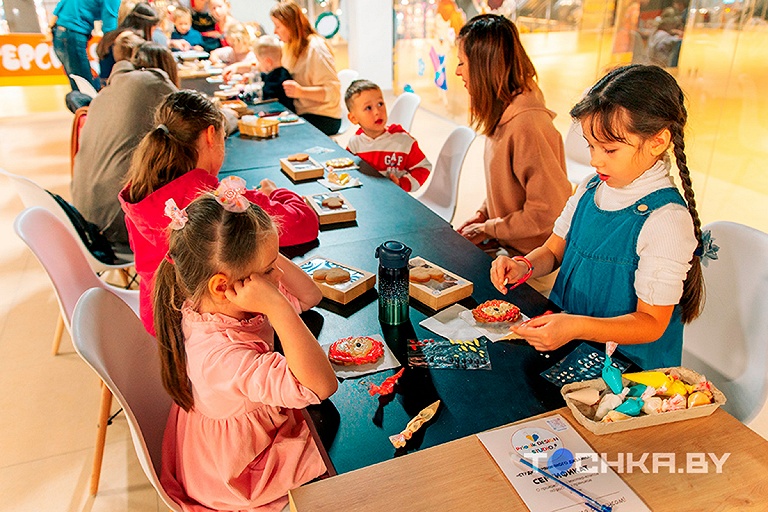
<point>269,46</point>
<point>181,12</point>
<point>237,33</point>
<point>213,240</point>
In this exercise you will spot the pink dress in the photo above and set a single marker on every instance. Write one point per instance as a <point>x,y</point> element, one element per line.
<point>244,445</point>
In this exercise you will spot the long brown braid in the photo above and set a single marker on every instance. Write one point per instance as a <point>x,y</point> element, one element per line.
<point>644,100</point>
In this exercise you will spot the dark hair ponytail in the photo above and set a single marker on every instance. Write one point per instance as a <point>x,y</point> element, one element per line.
<point>644,100</point>
<point>169,150</point>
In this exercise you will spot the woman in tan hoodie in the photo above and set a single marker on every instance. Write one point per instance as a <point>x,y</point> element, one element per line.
<point>526,181</point>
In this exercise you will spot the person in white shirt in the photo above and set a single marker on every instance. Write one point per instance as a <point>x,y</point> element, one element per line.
<point>628,245</point>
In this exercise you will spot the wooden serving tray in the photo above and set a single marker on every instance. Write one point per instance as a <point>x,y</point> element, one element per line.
<point>360,281</point>
<point>327,215</point>
<point>300,171</point>
<point>436,294</point>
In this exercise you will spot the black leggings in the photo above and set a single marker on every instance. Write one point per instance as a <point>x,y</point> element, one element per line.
<point>327,125</point>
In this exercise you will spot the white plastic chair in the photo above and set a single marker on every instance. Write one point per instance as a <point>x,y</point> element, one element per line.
<point>404,109</point>
<point>577,155</point>
<point>346,77</point>
<point>84,86</point>
<point>728,343</point>
<point>32,194</point>
<point>441,191</point>
<point>56,249</point>
<point>113,341</point>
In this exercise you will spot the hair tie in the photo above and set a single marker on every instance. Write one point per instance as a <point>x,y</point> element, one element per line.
<point>178,217</point>
<point>168,258</point>
<point>231,194</point>
<point>707,250</point>
<point>163,128</point>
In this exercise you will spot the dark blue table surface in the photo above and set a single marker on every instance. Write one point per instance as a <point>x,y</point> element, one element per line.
<point>355,426</point>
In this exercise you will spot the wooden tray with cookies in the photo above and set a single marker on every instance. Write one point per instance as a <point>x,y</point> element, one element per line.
<point>339,283</point>
<point>331,207</point>
<point>434,286</point>
<point>301,166</point>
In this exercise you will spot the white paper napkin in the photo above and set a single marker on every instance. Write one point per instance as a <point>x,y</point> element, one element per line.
<point>449,324</point>
<point>387,362</point>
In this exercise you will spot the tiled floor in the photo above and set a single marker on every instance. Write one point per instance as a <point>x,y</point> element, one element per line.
<point>48,405</point>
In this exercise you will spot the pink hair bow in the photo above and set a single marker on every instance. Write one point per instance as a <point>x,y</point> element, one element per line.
<point>231,194</point>
<point>178,217</point>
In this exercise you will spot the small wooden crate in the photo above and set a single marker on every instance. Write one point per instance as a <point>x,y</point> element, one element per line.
<point>300,171</point>
<point>436,294</point>
<point>360,281</point>
<point>263,129</point>
<point>584,413</point>
<point>327,215</point>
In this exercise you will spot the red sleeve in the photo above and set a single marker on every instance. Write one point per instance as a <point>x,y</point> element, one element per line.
<point>418,167</point>
<point>297,221</point>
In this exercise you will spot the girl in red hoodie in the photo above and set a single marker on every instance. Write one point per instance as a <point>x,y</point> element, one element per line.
<point>179,159</point>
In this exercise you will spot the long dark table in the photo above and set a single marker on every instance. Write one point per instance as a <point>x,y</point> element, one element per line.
<point>354,426</point>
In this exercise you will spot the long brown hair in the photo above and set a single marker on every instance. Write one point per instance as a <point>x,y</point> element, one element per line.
<point>644,100</point>
<point>170,149</point>
<point>499,68</point>
<point>150,55</point>
<point>213,240</point>
<point>289,14</point>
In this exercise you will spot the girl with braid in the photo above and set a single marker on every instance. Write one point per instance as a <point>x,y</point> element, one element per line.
<point>627,244</point>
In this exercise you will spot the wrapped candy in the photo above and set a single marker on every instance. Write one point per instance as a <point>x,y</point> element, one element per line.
<point>699,398</point>
<point>653,405</point>
<point>426,414</point>
<point>674,403</point>
<point>614,416</point>
<point>608,403</point>
<point>611,374</point>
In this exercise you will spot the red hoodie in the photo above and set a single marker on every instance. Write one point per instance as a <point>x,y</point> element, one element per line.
<point>148,226</point>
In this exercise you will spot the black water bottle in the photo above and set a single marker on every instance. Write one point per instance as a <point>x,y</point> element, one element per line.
<point>393,282</point>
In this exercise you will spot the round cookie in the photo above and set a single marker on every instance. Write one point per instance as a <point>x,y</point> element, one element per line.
<point>319,275</point>
<point>436,274</point>
<point>419,275</point>
<point>355,350</point>
<point>337,276</point>
<point>496,311</point>
<point>332,202</point>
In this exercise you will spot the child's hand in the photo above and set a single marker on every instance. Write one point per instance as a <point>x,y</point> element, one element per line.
<point>547,332</point>
<point>505,270</point>
<point>394,179</point>
<point>255,294</point>
<point>180,44</point>
<point>292,88</point>
<point>267,186</point>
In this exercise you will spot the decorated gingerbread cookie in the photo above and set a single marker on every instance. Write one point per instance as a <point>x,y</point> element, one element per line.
<point>496,311</point>
<point>355,350</point>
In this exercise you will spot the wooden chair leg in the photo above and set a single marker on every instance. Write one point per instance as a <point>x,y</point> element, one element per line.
<point>101,437</point>
<point>57,335</point>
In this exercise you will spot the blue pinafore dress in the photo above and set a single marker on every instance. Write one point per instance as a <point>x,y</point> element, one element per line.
<point>597,275</point>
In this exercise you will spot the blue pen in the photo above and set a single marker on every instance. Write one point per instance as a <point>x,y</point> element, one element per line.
<point>591,502</point>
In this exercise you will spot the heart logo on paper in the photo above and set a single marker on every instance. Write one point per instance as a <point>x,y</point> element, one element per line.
<point>533,438</point>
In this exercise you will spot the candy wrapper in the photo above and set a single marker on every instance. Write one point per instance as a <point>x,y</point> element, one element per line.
<point>454,354</point>
<point>426,414</point>
<point>583,363</point>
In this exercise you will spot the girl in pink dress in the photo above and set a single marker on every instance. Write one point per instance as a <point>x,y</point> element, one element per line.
<point>235,437</point>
